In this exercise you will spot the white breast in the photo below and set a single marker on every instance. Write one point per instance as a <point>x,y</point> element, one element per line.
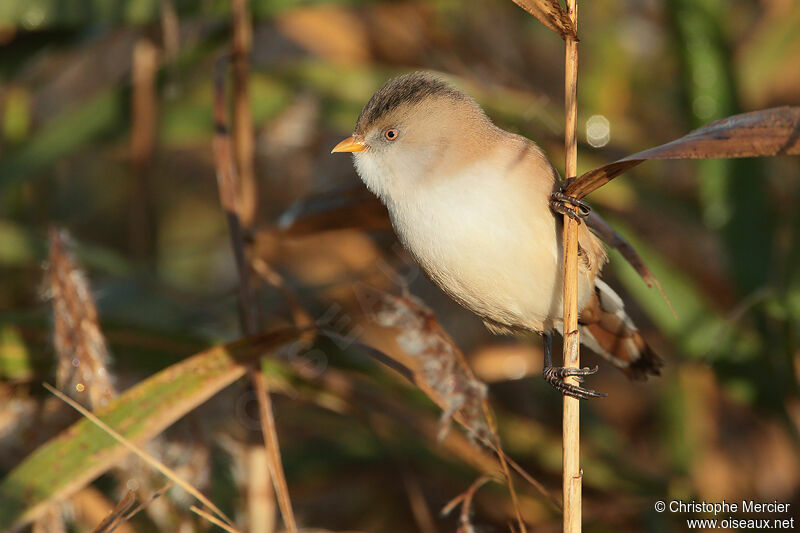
<point>491,246</point>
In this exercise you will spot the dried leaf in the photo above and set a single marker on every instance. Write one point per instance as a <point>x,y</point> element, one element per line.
<point>768,132</point>
<point>550,13</point>
<point>342,209</point>
<point>603,230</point>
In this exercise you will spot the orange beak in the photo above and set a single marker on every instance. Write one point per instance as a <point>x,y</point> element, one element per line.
<point>351,144</point>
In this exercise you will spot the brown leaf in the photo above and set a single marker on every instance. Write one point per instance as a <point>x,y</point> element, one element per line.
<point>550,14</point>
<point>341,209</point>
<point>768,132</point>
<point>603,230</point>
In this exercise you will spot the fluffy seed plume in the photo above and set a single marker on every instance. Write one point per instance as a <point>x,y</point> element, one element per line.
<point>79,343</point>
<point>439,367</point>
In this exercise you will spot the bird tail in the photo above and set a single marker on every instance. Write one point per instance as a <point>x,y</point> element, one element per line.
<point>607,329</point>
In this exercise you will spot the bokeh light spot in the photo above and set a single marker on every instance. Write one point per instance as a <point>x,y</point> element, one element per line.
<point>598,131</point>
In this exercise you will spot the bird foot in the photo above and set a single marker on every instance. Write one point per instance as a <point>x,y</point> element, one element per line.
<point>555,375</point>
<point>567,205</point>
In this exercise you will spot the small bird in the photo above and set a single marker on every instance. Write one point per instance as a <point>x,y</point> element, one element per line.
<point>476,208</point>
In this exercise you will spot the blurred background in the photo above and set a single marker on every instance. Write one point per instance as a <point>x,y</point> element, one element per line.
<point>106,131</point>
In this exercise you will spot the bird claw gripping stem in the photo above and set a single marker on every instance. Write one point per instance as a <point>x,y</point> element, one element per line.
<point>562,203</point>
<point>555,375</point>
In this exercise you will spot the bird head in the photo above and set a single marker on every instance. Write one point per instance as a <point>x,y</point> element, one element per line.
<point>416,127</point>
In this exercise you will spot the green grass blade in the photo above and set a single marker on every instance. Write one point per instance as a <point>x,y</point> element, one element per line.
<point>82,452</point>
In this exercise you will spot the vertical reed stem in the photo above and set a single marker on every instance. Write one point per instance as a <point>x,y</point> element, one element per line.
<point>243,139</point>
<point>571,470</point>
<point>228,181</point>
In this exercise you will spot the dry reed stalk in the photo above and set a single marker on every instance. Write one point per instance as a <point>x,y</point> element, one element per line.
<point>302,321</point>
<point>465,499</point>
<point>92,511</point>
<point>419,508</point>
<point>170,30</point>
<point>228,184</point>
<point>79,342</point>
<point>501,456</point>
<point>144,114</point>
<point>153,497</point>
<point>213,519</point>
<point>261,508</point>
<point>273,448</point>
<point>143,102</point>
<point>571,470</point>
<point>243,137</point>
<point>117,515</point>
<point>231,200</point>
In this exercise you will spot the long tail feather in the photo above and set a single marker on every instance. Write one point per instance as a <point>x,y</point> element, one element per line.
<point>607,329</point>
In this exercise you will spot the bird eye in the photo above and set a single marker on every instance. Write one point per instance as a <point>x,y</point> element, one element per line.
<point>391,134</point>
